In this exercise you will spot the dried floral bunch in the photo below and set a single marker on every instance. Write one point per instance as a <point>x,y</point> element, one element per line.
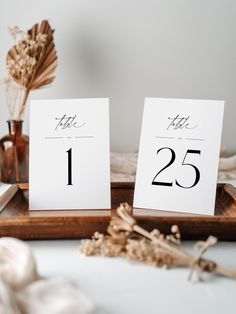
<point>126,238</point>
<point>31,64</point>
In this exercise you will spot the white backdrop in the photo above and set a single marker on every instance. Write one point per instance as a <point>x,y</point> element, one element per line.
<point>129,49</point>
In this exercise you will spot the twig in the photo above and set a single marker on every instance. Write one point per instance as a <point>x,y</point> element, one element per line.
<point>23,104</point>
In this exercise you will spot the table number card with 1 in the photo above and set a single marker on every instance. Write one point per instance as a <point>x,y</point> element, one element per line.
<point>69,154</point>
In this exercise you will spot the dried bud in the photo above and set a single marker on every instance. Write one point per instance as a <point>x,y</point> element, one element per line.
<point>124,211</point>
<point>120,225</point>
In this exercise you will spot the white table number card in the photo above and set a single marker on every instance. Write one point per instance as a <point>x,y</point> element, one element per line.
<point>179,155</point>
<point>69,154</point>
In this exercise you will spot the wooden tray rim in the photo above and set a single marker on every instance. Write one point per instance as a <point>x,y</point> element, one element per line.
<point>83,226</point>
<point>182,217</point>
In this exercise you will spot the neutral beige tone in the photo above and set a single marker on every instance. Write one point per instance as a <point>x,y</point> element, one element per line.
<point>130,49</point>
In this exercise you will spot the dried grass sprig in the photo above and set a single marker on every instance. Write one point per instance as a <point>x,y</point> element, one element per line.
<point>31,64</point>
<point>126,238</point>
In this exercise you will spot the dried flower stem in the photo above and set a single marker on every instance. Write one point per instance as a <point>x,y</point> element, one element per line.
<point>23,104</point>
<point>163,244</point>
<point>123,213</point>
<point>185,257</point>
<point>225,271</point>
<point>16,164</point>
<point>153,247</point>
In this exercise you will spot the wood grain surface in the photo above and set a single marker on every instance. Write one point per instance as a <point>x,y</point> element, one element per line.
<point>17,221</point>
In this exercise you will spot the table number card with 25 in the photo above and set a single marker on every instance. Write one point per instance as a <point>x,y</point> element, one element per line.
<point>69,154</point>
<point>179,155</point>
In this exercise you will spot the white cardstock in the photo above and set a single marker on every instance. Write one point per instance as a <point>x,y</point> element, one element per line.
<point>69,154</point>
<point>179,155</point>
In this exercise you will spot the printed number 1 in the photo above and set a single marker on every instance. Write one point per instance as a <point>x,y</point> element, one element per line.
<point>69,167</point>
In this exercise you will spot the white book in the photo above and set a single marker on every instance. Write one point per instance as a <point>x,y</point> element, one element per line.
<point>7,191</point>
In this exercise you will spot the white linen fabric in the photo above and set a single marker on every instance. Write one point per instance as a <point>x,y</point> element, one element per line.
<point>23,291</point>
<point>123,167</point>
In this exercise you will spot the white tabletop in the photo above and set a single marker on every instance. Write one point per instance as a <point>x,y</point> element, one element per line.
<point>117,286</point>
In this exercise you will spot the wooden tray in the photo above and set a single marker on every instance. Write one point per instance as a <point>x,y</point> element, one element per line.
<point>17,221</point>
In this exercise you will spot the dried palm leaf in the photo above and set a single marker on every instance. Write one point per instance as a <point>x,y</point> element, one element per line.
<point>33,60</point>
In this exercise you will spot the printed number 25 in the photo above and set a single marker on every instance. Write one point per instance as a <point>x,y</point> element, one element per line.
<point>172,159</point>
